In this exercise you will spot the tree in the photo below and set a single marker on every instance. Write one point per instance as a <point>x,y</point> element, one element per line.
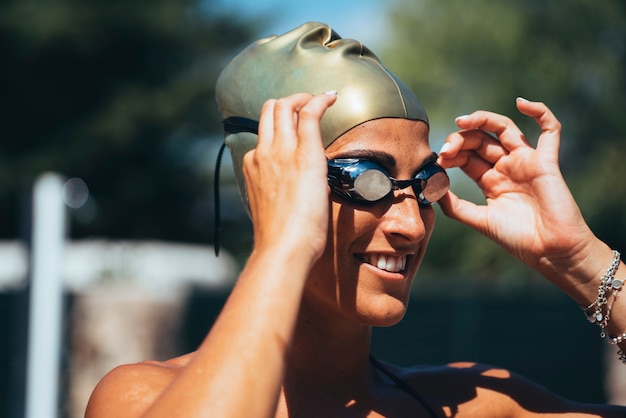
<point>119,94</point>
<point>461,56</point>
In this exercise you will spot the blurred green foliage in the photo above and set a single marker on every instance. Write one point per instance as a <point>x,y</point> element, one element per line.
<point>460,56</point>
<point>120,94</point>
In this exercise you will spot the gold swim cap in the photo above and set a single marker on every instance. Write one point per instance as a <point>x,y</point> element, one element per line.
<point>314,59</point>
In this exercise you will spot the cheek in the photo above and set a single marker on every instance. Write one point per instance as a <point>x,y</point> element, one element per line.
<point>428,217</point>
<point>349,231</point>
<point>342,221</point>
<point>351,227</point>
<point>327,265</point>
<point>325,281</point>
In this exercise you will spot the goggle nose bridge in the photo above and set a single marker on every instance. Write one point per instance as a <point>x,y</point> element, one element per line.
<point>403,184</point>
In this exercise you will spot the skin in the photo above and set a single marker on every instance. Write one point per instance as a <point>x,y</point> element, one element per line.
<point>293,338</point>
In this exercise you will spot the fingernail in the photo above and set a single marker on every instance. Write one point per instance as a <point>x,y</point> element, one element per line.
<point>444,148</point>
<point>331,92</point>
<point>521,99</point>
<point>458,118</point>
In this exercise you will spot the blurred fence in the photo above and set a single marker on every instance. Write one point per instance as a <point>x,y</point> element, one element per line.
<point>541,336</point>
<point>121,302</point>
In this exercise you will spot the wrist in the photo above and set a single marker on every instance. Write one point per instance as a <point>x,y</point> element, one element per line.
<point>608,305</point>
<point>579,272</point>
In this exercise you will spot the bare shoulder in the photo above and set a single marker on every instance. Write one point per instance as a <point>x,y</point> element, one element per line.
<point>471,389</point>
<point>133,387</point>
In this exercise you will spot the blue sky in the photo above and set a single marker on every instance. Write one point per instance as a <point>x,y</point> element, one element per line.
<point>363,20</point>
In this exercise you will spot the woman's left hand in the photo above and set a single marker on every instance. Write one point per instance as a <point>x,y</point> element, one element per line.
<point>529,209</point>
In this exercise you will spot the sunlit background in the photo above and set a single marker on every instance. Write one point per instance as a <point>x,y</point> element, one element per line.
<point>114,100</point>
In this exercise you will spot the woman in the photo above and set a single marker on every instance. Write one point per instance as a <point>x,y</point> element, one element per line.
<point>339,189</point>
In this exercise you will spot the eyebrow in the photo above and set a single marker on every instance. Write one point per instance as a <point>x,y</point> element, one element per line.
<point>384,159</point>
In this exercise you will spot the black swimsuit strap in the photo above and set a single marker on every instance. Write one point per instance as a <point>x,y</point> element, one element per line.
<point>403,385</point>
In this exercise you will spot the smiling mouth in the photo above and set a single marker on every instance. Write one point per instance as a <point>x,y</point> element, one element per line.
<point>386,262</point>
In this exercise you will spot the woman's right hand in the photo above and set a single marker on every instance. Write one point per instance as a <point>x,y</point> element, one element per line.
<point>286,175</point>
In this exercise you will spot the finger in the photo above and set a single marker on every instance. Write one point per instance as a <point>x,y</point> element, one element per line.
<point>503,127</point>
<point>289,113</point>
<point>277,113</point>
<point>470,163</point>
<point>463,211</point>
<point>266,126</point>
<point>309,117</point>
<point>483,144</point>
<point>286,117</point>
<point>550,138</point>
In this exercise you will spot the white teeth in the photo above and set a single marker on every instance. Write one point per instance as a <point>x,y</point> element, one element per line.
<point>382,263</point>
<point>386,262</point>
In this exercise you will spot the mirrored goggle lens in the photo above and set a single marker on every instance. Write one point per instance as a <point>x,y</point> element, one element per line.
<point>372,184</point>
<point>434,187</point>
<point>364,180</point>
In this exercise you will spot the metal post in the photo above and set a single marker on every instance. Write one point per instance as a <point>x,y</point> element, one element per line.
<point>46,294</point>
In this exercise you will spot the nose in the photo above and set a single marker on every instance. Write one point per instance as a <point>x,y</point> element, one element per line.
<point>404,218</point>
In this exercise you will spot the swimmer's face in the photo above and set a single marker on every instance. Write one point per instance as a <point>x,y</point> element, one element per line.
<point>374,250</point>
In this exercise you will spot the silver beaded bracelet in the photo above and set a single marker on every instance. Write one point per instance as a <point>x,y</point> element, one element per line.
<point>616,340</point>
<point>609,287</point>
<point>606,285</point>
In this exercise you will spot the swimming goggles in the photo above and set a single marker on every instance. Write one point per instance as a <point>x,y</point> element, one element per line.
<point>362,180</point>
<point>358,180</point>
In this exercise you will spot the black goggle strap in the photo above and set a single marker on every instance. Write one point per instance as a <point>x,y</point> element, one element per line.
<point>232,125</point>
<point>237,124</point>
<point>216,191</point>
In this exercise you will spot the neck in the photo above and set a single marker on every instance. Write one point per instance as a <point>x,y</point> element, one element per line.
<point>328,368</point>
<point>328,353</point>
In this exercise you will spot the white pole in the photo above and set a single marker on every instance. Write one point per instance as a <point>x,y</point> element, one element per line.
<point>46,293</point>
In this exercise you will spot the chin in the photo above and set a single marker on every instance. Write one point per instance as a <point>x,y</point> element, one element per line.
<point>384,313</point>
